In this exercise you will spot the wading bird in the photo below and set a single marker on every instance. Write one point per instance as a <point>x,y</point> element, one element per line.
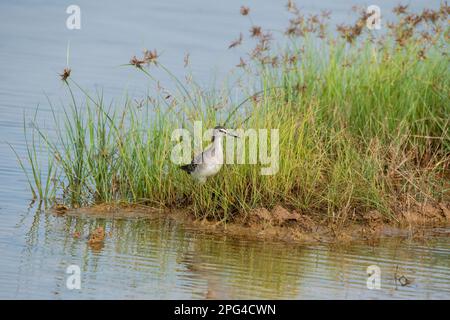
<point>210,161</point>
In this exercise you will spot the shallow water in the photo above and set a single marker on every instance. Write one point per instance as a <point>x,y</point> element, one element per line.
<point>160,258</point>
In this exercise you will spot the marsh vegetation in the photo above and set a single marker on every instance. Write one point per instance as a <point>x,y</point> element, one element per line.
<point>363,119</point>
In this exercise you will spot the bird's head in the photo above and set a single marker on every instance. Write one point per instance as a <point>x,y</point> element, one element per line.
<point>220,131</point>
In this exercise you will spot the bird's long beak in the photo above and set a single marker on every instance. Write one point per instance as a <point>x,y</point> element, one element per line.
<point>232,134</point>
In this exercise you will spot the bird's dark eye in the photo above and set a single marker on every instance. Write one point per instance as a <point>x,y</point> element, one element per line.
<point>223,130</point>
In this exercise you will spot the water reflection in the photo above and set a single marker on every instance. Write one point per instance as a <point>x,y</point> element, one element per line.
<point>160,258</point>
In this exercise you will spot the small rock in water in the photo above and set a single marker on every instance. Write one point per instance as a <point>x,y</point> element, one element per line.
<point>97,236</point>
<point>60,208</point>
<point>404,281</point>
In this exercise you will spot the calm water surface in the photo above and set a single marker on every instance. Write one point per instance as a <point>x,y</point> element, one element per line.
<point>160,258</point>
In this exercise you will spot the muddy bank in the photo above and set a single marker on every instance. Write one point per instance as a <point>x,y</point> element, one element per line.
<point>420,222</point>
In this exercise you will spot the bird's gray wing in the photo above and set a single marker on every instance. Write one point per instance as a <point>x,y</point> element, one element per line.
<point>199,158</point>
